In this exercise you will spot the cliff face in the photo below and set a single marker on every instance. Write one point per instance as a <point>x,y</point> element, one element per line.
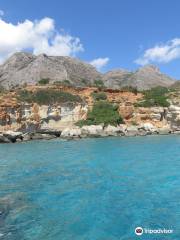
<point>29,117</point>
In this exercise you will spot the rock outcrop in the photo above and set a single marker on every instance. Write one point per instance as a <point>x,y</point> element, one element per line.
<point>144,78</point>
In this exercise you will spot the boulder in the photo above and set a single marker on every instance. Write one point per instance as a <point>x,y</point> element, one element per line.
<point>156,116</point>
<point>93,130</point>
<point>113,131</point>
<point>132,131</point>
<point>174,108</point>
<point>13,136</point>
<point>4,139</point>
<point>39,136</point>
<point>164,130</point>
<point>71,132</point>
<point>27,136</point>
<point>148,127</point>
<point>47,131</point>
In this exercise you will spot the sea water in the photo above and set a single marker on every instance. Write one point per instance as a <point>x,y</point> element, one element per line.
<point>90,189</point>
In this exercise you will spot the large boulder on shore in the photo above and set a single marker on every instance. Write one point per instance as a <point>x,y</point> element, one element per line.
<point>93,130</point>
<point>4,139</point>
<point>164,130</point>
<point>113,131</point>
<point>132,131</point>
<point>148,127</point>
<point>71,132</point>
<point>13,136</point>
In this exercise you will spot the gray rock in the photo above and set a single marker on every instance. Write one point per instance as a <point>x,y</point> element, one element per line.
<point>13,136</point>
<point>164,130</point>
<point>51,132</point>
<point>144,78</point>
<point>148,127</point>
<point>131,131</point>
<point>113,131</point>
<point>39,136</point>
<point>4,139</point>
<point>115,78</point>
<point>24,68</point>
<point>93,130</point>
<point>71,132</point>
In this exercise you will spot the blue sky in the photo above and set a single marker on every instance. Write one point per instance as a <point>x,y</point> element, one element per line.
<point>128,33</point>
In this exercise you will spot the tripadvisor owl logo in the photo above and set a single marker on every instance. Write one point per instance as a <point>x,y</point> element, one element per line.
<point>139,231</point>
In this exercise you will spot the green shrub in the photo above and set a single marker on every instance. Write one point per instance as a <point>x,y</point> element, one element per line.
<point>2,89</point>
<point>84,81</point>
<point>154,97</point>
<point>103,112</point>
<point>130,89</point>
<point>43,81</point>
<point>57,83</point>
<point>25,96</point>
<point>63,83</point>
<point>47,97</point>
<point>66,83</point>
<point>99,96</point>
<point>98,83</point>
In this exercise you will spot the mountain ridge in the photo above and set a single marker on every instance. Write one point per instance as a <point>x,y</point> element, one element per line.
<point>25,68</point>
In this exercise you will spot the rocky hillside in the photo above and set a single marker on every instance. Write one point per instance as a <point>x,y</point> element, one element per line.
<point>45,112</point>
<point>23,68</point>
<point>144,78</point>
<point>26,68</point>
<point>176,85</point>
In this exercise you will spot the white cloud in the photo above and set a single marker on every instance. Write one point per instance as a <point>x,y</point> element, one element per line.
<point>1,13</point>
<point>39,36</point>
<point>99,62</point>
<point>162,53</point>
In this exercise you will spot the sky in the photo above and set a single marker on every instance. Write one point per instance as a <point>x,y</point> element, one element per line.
<point>109,34</point>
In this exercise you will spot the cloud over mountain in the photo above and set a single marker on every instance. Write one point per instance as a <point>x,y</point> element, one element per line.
<point>38,36</point>
<point>99,62</point>
<point>161,53</point>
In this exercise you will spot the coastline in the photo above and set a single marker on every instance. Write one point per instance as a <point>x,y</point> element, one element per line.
<point>92,131</point>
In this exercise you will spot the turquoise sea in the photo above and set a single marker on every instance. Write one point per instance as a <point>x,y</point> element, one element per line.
<point>90,189</point>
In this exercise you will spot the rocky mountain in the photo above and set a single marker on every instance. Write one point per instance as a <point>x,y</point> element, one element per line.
<point>115,78</point>
<point>24,68</point>
<point>144,78</point>
<point>176,85</point>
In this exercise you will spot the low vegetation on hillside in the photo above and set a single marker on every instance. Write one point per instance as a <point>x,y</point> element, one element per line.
<point>97,96</point>
<point>99,83</point>
<point>154,97</point>
<point>129,89</point>
<point>102,112</point>
<point>63,83</point>
<point>47,97</point>
<point>43,81</point>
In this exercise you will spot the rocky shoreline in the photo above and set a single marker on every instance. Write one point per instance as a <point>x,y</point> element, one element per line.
<point>85,132</point>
